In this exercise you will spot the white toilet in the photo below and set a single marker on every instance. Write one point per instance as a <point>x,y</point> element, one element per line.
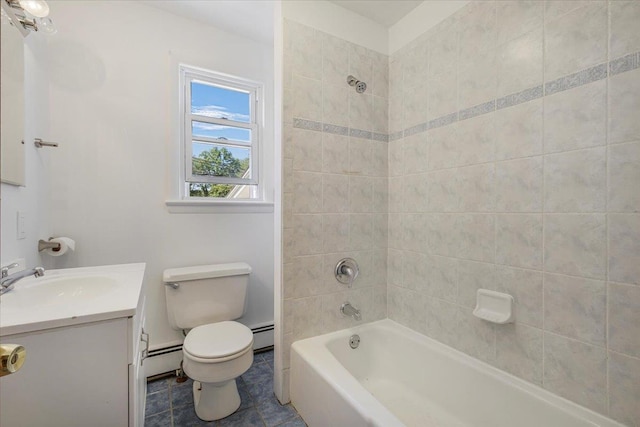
<point>204,300</point>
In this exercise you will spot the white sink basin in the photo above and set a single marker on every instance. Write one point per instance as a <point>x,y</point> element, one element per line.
<point>71,296</point>
<point>44,291</point>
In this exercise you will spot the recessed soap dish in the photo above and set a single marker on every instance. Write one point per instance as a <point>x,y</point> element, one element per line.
<point>494,307</point>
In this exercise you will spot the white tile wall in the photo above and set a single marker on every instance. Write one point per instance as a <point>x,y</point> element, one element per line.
<point>576,40</point>
<point>520,62</point>
<point>624,36</point>
<point>575,370</point>
<point>520,131</point>
<point>624,107</point>
<point>575,118</point>
<point>538,199</point>
<point>335,188</point>
<point>624,380</point>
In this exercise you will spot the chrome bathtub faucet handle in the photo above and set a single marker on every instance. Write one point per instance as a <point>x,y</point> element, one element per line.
<point>346,271</point>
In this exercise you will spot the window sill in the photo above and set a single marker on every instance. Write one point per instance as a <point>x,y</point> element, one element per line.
<point>218,206</point>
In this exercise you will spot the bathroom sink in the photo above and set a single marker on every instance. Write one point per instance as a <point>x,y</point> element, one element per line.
<point>71,296</point>
<point>44,291</point>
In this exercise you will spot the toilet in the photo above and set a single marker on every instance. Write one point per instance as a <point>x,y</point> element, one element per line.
<point>203,301</point>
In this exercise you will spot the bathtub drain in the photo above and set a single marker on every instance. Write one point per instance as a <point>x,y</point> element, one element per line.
<point>354,341</point>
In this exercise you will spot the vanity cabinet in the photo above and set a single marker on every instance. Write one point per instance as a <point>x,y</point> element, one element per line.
<point>137,377</point>
<point>89,374</point>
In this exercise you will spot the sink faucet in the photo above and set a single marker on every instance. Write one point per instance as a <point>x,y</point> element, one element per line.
<point>348,310</point>
<point>8,280</point>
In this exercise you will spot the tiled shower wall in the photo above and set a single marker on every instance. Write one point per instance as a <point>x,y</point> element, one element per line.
<point>514,165</point>
<point>335,199</point>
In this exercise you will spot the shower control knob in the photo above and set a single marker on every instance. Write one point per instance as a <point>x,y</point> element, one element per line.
<point>346,271</point>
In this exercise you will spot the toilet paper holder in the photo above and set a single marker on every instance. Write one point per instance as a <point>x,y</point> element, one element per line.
<point>44,245</point>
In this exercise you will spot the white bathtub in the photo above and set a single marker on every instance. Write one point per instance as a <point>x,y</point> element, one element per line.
<point>397,377</point>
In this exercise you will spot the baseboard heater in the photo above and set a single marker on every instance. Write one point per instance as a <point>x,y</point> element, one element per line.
<point>261,330</point>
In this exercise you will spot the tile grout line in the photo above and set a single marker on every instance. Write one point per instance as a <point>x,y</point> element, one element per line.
<point>606,204</point>
<point>542,201</point>
<point>170,393</point>
<point>495,216</point>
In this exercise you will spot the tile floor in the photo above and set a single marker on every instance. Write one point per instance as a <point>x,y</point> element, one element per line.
<point>170,404</point>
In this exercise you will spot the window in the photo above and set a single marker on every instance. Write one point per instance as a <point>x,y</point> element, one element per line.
<point>221,136</point>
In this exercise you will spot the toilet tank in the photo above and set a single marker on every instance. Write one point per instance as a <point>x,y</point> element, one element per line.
<point>206,293</point>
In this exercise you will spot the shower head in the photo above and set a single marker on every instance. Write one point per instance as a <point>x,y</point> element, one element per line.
<point>360,86</point>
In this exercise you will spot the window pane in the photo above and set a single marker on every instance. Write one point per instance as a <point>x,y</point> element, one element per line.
<point>220,103</point>
<point>223,132</point>
<point>220,160</point>
<point>226,191</point>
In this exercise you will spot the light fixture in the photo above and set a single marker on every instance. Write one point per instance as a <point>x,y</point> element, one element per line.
<point>37,8</point>
<point>28,15</point>
<point>46,25</point>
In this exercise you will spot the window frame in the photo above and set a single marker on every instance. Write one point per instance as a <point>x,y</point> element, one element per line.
<point>189,74</point>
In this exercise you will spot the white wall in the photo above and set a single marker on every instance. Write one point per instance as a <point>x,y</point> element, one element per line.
<point>338,21</point>
<point>345,24</point>
<point>113,86</point>
<point>32,199</point>
<point>419,20</point>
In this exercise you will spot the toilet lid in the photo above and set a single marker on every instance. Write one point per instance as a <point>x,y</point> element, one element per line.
<point>216,340</point>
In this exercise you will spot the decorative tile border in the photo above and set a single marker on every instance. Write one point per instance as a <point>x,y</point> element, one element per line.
<point>422,127</point>
<point>382,137</point>
<point>443,121</point>
<point>307,124</point>
<point>358,133</point>
<point>602,71</point>
<point>626,63</point>
<point>580,78</point>
<point>395,135</point>
<point>338,130</point>
<point>519,98</point>
<point>477,110</point>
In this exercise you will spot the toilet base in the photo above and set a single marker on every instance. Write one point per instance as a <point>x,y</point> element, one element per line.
<point>214,401</point>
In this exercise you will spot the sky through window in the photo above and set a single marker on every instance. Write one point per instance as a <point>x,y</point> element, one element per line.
<point>220,103</point>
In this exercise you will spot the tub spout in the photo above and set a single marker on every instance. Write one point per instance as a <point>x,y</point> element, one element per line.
<point>348,310</point>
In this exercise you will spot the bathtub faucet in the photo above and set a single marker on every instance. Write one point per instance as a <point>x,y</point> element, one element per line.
<point>348,310</point>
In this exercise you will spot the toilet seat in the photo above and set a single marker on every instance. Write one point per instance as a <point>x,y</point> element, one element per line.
<point>217,342</point>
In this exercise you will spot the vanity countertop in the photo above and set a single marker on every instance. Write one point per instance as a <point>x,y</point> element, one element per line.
<point>72,296</point>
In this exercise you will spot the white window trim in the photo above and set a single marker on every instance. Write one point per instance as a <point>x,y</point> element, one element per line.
<point>186,204</point>
<point>197,206</point>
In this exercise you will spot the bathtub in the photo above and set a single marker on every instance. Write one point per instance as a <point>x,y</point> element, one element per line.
<point>397,377</point>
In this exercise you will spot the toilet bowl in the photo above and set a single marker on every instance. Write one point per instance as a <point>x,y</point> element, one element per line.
<point>214,355</point>
<point>204,300</point>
